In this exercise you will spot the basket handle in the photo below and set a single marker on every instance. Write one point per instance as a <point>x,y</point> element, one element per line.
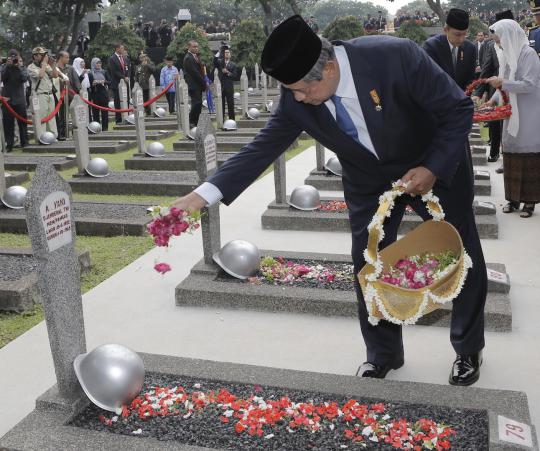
<point>386,203</point>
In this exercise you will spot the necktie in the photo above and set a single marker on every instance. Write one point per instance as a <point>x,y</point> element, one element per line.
<point>454,57</point>
<point>343,119</point>
<point>122,65</point>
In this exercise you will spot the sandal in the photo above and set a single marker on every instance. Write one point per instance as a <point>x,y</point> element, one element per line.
<point>527,211</point>
<point>510,207</point>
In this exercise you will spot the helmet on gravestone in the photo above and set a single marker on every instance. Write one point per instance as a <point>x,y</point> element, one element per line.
<point>205,103</point>
<point>334,166</point>
<point>155,149</point>
<point>236,95</point>
<point>160,112</point>
<point>229,124</point>
<point>97,167</point>
<point>14,197</point>
<point>94,127</point>
<point>239,258</point>
<point>111,104</point>
<point>131,119</point>
<point>111,375</point>
<point>305,197</point>
<point>269,104</point>
<point>250,90</point>
<point>253,113</point>
<point>191,134</point>
<point>47,138</point>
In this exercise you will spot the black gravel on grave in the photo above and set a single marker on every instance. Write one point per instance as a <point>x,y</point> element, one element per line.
<point>341,285</point>
<point>205,429</point>
<point>13,267</point>
<point>104,211</point>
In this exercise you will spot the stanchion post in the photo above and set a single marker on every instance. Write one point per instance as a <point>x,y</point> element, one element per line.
<point>319,155</point>
<point>152,94</point>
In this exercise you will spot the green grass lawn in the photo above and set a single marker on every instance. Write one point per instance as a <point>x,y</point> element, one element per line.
<point>108,255</point>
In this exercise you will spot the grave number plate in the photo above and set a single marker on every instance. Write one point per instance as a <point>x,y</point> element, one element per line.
<point>513,431</point>
<point>210,152</point>
<point>140,100</point>
<point>80,114</point>
<point>55,213</point>
<point>496,276</point>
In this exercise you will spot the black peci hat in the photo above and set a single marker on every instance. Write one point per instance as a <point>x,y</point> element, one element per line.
<point>508,14</point>
<point>458,19</point>
<point>291,51</point>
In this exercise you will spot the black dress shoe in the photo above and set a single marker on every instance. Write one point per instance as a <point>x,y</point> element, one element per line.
<point>368,369</point>
<point>493,159</point>
<point>466,369</point>
<point>499,170</point>
<point>61,138</point>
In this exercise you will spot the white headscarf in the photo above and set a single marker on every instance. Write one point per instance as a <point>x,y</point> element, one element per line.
<point>513,40</point>
<point>85,83</point>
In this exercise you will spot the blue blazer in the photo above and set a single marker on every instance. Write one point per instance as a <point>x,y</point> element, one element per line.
<point>425,120</point>
<point>437,47</point>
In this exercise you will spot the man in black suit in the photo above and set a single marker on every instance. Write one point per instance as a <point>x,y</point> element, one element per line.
<point>451,51</point>
<point>118,68</point>
<point>389,113</point>
<point>480,48</point>
<point>194,76</point>
<point>228,73</point>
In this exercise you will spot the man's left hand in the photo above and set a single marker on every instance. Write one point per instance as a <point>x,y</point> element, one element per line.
<point>418,180</point>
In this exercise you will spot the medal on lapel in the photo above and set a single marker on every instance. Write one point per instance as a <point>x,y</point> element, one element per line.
<point>462,55</point>
<point>376,100</point>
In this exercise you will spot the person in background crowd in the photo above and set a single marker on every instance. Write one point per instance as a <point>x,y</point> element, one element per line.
<point>82,44</point>
<point>174,28</point>
<point>480,48</point>
<point>14,76</point>
<point>228,73</point>
<point>211,28</point>
<point>80,68</point>
<point>165,33</point>
<point>99,92</point>
<point>313,24</point>
<point>194,76</point>
<point>42,71</point>
<point>143,71</point>
<point>150,35</point>
<point>169,73</point>
<point>451,51</point>
<point>118,70</point>
<point>221,27</point>
<point>534,33</point>
<point>70,79</point>
<point>519,76</point>
<point>232,25</point>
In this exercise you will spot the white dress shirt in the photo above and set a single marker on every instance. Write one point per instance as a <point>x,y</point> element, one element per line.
<point>347,91</point>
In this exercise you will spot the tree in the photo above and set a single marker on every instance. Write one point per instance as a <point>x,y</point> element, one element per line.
<point>412,7</point>
<point>344,28</point>
<point>328,10</point>
<point>487,6</point>
<point>436,7</point>
<point>412,31</point>
<point>247,43</point>
<point>102,46</point>
<point>178,47</point>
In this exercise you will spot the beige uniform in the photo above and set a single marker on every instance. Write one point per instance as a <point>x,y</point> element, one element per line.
<point>44,94</point>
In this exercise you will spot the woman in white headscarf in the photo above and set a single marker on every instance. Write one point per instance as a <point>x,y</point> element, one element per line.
<point>519,77</point>
<point>80,67</point>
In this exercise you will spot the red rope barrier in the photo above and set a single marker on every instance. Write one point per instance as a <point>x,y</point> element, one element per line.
<point>158,96</point>
<point>13,112</point>
<point>56,109</point>
<point>43,120</point>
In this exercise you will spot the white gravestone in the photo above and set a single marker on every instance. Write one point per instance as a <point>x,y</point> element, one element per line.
<point>319,155</point>
<point>178,103</point>
<point>264,83</point>
<point>79,113</point>
<point>184,106</point>
<point>219,102</point>
<point>36,118</point>
<point>140,130</point>
<point>123,93</point>
<point>257,81</point>
<point>152,94</point>
<point>244,92</point>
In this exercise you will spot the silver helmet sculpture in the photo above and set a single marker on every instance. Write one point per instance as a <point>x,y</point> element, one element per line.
<point>191,134</point>
<point>130,119</point>
<point>14,197</point>
<point>97,167</point>
<point>155,149</point>
<point>47,138</point>
<point>239,258</point>
<point>253,113</point>
<point>230,124</point>
<point>334,166</point>
<point>269,104</point>
<point>250,90</point>
<point>160,112</point>
<point>111,375</point>
<point>94,127</point>
<point>305,197</point>
<point>205,103</point>
<point>237,95</point>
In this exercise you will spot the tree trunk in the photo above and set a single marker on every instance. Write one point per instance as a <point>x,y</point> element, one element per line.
<point>295,7</point>
<point>436,7</point>
<point>77,19</point>
<point>267,9</point>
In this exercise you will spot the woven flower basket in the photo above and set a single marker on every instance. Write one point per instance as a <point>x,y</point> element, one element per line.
<point>402,305</point>
<point>490,114</point>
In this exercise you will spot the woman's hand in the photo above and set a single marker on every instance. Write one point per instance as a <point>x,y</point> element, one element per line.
<point>496,82</point>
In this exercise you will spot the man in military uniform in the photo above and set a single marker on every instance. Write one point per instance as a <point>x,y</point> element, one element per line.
<point>42,71</point>
<point>534,33</point>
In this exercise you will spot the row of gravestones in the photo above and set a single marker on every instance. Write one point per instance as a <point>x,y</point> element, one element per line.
<point>51,227</point>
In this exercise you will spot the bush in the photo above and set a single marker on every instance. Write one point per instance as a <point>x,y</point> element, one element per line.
<point>178,47</point>
<point>247,43</point>
<point>412,31</point>
<point>103,44</point>
<point>344,28</point>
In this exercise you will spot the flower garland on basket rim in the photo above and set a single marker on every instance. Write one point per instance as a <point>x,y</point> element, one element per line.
<point>490,114</point>
<point>371,294</point>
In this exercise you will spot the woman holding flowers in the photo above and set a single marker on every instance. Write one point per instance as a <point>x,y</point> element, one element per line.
<point>519,76</point>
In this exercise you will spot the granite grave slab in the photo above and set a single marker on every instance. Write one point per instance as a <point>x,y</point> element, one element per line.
<point>171,161</point>
<point>209,286</point>
<point>18,278</point>
<point>114,135</point>
<point>30,162</point>
<point>51,426</point>
<point>69,147</point>
<point>16,178</point>
<point>225,144</point>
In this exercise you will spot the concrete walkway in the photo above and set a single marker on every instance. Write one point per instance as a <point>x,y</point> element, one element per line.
<point>136,308</point>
